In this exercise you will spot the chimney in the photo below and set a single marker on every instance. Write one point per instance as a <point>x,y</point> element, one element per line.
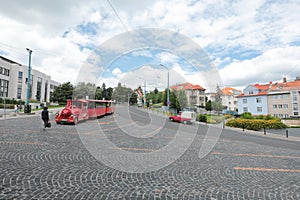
<point>284,79</point>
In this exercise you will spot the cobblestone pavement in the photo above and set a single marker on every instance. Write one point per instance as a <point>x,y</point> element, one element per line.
<point>54,164</point>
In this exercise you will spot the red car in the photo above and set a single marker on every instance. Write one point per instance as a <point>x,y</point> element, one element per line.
<point>186,117</point>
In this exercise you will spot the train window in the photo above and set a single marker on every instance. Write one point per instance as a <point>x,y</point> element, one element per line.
<point>91,105</point>
<point>77,104</point>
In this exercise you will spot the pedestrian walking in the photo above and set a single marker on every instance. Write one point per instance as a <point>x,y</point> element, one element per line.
<point>16,108</point>
<point>45,117</point>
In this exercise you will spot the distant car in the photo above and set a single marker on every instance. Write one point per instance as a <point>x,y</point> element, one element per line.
<point>186,117</point>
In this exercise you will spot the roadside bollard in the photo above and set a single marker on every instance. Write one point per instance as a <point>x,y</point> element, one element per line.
<point>264,130</point>
<point>287,133</point>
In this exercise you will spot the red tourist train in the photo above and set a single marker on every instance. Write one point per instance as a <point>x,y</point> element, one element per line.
<point>83,109</point>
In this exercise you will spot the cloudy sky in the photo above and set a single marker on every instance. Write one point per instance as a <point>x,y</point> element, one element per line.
<point>247,41</point>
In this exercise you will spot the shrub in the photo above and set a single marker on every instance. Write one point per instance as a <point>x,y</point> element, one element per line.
<point>246,115</point>
<point>228,116</point>
<point>256,124</point>
<point>201,118</point>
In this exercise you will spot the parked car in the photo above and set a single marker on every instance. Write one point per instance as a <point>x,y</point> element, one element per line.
<point>186,117</point>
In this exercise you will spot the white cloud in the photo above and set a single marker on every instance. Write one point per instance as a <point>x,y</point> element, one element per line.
<point>270,66</point>
<point>51,30</point>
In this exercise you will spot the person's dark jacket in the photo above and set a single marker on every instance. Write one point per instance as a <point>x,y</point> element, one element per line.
<point>45,114</point>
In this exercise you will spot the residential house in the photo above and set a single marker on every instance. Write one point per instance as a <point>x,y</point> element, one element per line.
<point>229,98</point>
<point>195,93</point>
<point>254,99</point>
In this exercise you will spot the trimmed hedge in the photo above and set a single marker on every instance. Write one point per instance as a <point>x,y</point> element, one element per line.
<point>256,124</point>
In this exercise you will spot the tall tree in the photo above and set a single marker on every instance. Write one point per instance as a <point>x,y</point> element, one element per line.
<point>104,91</point>
<point>121,93</point>
<point>181,99</point>
<point>62,93</point>
<point>85,90</point>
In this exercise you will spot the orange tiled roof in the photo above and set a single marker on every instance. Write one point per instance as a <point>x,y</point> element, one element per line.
<point>292,85</point>
<point>264,87</point>
<point>186,86</point>
<point>229,90</point>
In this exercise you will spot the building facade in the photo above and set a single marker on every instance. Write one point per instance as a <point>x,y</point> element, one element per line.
<point>229,98</point>
<point>254,99</point>
<point>13,82</point>
<point>284,99</point>
<point>280,99</point>
<point>195,93</point>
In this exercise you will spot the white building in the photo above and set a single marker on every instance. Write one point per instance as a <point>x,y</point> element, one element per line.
<point>13,82</point>
<point>229,98</point>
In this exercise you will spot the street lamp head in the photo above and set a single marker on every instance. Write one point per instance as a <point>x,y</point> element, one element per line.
<point>30,51</point>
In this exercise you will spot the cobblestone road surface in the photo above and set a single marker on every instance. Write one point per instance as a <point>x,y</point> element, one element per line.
<point>54,164</point>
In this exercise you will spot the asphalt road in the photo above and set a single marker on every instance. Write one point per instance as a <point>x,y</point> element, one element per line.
<point>138,155</point>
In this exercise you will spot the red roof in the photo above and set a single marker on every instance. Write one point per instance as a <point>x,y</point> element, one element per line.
<point>229,90</point>
<point>186,86</point>
<point>293,85</point>
<point>264,87</point>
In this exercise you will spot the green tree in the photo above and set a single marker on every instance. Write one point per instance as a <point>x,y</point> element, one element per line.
<point>208,105</point>
<point>181,99</point>
<point>121,93</point>
<point>109,93</point>
<point>62,93</point>
<point>83,90</point>
<point>98,94</point>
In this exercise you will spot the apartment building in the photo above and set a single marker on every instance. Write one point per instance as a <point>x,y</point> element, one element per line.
<point>284,99</point>
<point>229,98</point>
<point>195,93</point>
<point>281,99</point>
<point>13,82</point>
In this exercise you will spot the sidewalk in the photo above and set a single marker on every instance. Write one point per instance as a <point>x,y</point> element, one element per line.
<point>11,114</point>
<point>256,133</point>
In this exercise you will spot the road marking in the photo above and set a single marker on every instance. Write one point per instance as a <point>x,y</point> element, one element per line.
<point>266,169</point>
<point>135,149</point>
<point>103,123</point>
<point>254,155</point>
<point>14,142</point>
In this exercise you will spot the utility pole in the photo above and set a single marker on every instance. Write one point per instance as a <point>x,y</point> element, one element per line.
<point>27,108</point>
<point>168,92</point>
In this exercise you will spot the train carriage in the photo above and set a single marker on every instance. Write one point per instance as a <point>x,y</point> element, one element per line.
<point>83,109</point>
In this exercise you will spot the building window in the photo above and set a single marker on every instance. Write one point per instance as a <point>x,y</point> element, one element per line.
<point>19,88</point>
<point>244,100</point>
<point>258,100</point>
<point>285,105</point>
<point>286,116</point>
<point>296,113</point>
<point>250,92</point>
<point>295,106</point>
<point>39,89</point>
<point>274,105</point>
<point>4,71</point>
<point>46,91</point>
<point>201,92</point>
<point>245,109</point>
<point>279,105</point>
<point>4,88</point>
<point>259,109</point>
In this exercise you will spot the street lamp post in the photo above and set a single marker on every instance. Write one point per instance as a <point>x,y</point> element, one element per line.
<point>168,92</point>
<point>27,107</point>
